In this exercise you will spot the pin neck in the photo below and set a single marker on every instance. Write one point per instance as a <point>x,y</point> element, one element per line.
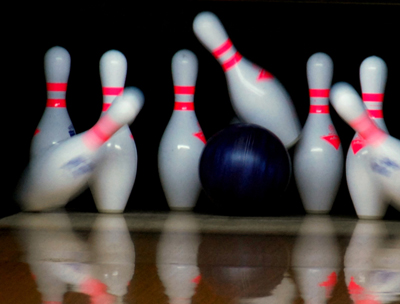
<point>368,130</point>
<point>109,95</point>
<point>184,94</point>
<point>56,94</point>
<point>227,55</point>
<point>319,102</point>
<point>100,132</point>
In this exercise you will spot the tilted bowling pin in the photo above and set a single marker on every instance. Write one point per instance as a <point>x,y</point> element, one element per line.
<point>64,170</point>
<point>256,96</point>
<point>316,259</point>
<point>368,200</point>
<point>318,156</point>
<point>384,157</point>
<point>183,141</point>
<point>114,177</point>
<point>55,124</point>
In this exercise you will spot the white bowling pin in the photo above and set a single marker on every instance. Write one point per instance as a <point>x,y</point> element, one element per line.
<point>183,141</point>
<point>368,200</point>
<point>256,96</point>
<point>177,257</point>
<point>55,124</point>
<point>318,156</point>
<point>113,178</point>
<point>64,170</point>
<point>367,238</point>
<point>384,156</point>
<point>316,259</point>
<point>113,253</point>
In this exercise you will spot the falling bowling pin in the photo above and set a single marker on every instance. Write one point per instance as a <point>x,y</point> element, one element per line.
<point>64,170</point>
<point>384,159</point>
<point>366,194</point>
<point>183,141</point>
<point>318,156</point>
<point>113,178</point>
<point>55,124</point>
<point>256,95</point>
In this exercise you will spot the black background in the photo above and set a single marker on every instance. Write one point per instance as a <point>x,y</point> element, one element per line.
<point>278,36</point>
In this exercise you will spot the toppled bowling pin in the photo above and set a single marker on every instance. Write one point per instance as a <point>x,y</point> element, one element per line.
<point>64,170</point>
<point>256,95</point>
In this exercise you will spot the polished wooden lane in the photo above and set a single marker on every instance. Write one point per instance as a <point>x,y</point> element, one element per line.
<point>192,258</point>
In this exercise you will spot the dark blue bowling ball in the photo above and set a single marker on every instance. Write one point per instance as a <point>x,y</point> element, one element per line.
<point>244,167</point>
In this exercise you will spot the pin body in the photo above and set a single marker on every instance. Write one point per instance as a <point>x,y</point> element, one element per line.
<point>183,141</point>
<point>366,194</point>
<point>256,95</point>
<point>114,177</point>
<point>64,169</point>
<point>384,156</point>
<point>55,124</point>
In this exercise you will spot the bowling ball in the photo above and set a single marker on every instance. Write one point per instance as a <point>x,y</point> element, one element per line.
<point>244,168</point>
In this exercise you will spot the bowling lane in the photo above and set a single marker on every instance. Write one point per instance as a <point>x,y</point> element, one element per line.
<point>182,257</point>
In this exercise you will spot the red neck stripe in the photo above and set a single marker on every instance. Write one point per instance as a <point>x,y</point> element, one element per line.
<point>314,109</point>
<point>219,51</point>
<point>56,87</point>
<point>375,113</point>
<point>319,93</point>
<point>187,90</point>
<point>376,97</point>
<point>112,91</point>
<point>184,106</point>
<point>56,103</point>
<point>231,62</point>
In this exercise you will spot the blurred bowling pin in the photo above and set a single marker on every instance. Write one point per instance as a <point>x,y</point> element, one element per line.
<point>113,178</point>
<point>318,157</point>
<point>366,239</point>
<point>384,156</point>
<point>113,254</point>
<point>257,96</point>
<point>316,261</point>
<point>64,170</point>
<point>177,257</point>
<point>55,124</point>
<point>183,140</point>
<point>368,200</point>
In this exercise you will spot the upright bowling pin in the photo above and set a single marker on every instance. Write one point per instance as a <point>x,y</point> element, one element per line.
<point>318,157</point>
<point>256,96</point>
<point>64,170</point>
<point>113,179</point>
<point>368,200</point>
<point>316,259</point>
<point>384,157</point>
<point>55,124</point>
<point>183,141</point>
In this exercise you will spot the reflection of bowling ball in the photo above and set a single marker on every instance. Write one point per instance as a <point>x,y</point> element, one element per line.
<point>243,266</point>
<point>243,167</point>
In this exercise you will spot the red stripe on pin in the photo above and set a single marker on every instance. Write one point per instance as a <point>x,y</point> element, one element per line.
<point>219,51</point>
<point>56,87</point>
<point>106,106</point>
<point>231,62</point>
<point>56,103</point>
<point>187,90</point>
<point>368,129</point>
<point>319,109</point>
<point>375,113</point>
<point>377,97</point>
<point>184,106</point>
<point>112,91</point>
<point>319,93</point>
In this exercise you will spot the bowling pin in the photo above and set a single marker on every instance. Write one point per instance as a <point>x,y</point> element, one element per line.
<point>384,158</point>
<point>113,253</point>
<point>64,170</point>
<point>256,95</point>
<point>316,259</point>
<point>176,257</point>
<point>183,140</point>
<point>55,124</point>
<point>113,178</point>
<point>318,156</point>
<point>368,200</point>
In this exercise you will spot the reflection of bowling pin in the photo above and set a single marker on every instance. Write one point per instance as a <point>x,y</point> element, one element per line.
<point>384,150</point>
<point>183,141</point>
<point>366,239</point>
<point>55,124</point>
<point>177,257</point>
<point>113,178</point>
<point>365,193</point>
<point>257,96</point>
<point>316,261</point>
<point>113,254</point>
<point>318,158</point>
<point>64,170</point>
